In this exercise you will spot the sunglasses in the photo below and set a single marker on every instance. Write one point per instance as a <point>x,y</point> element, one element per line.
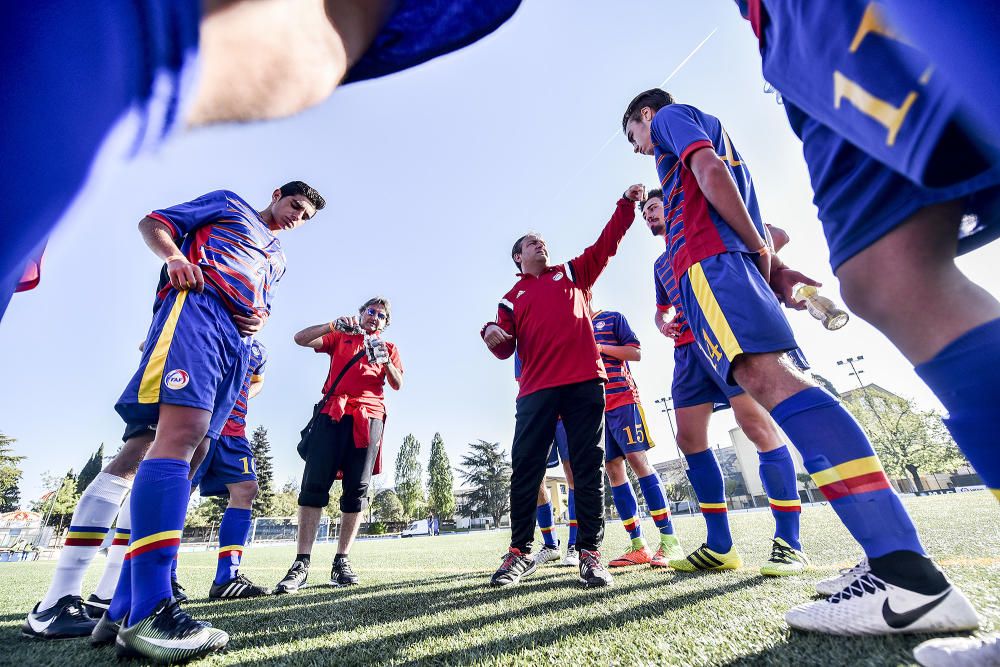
<point>371,312</point>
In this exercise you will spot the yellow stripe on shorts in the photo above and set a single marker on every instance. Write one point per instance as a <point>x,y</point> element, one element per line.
<point>152,376</point>
<point>713,312</point>
<point>645,429</point>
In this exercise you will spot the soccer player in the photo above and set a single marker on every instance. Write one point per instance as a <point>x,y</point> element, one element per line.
<point>903,184</point>
<point>99,83</point>
<point>546,318</point>
<point>723,264</point>
<point>626,439</point>
<point>698,392</point>
<point>194,361</point>
<point>558,452</point>
<point>228,470</point>
<point>346,440</point>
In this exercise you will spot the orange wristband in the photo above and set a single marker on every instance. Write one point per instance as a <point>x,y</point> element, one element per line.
<point>332,328</point>
<point>764,250</point>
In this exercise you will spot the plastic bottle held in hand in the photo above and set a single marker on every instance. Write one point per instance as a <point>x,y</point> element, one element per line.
<point>344,326</point>
<point>820,307</point>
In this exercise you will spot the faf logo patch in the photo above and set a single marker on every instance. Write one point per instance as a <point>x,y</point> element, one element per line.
<point>558,276</point>
<point>599,325</point>
<point>176,379</point>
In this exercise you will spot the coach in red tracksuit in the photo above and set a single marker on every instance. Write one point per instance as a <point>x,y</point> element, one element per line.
<point>546,317</point>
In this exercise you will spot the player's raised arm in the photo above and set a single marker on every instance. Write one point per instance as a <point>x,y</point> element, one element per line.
<point>588,266</point>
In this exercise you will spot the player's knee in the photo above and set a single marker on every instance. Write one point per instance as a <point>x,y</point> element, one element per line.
<point>639,463</point>
<point>243,493</point>
<point>757,429</point>
<point>869,304</point>
<point>689,443</point>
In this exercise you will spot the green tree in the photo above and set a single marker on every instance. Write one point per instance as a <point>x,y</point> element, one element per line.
<point>409,486</point>
<point>486,469</point>
<point>61,499</point>
<point>440,483</point>
<point>332,508</point>
<point>906,438</point>
<point>825,383</point>
<point>263,504</point>
<point>386,506</point>
<point>286,500</point>
<point>204,512</point>
<point>678,491</point>
<point>90,470</point>
<point>10,475</point>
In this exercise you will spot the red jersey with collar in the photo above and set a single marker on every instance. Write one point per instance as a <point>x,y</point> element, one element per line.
<point>611,328</point>
<point>362,380</point>
<point>549,315</point>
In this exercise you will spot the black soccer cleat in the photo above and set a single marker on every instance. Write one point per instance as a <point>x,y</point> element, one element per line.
<point>168,635</point>
<point>96,607</point>
<point>105,632</point>
<point>296,578</point>
<point>515,566</point>
<point>237,587</point>
<point>592,573</point>
<point>341,573</point>
<point>66,619</point>
<point>178,591</point>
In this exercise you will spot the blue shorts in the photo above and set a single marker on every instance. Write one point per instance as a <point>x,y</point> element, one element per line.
<point>560,447</point>
<point>696,382</point>
<point>731,310</point>
<point>625,432</point>
<point>193,356</point>
<point>860,200</point>
<point>229,461</point>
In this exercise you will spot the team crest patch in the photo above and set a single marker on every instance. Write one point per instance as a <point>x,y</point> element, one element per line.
<point>176,379</point>
<point>558,276</point>
<point>519,293</point>
<point>599,325</point>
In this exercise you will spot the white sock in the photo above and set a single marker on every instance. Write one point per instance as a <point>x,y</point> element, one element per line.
<point>116,553</point>
<point>91,521</point>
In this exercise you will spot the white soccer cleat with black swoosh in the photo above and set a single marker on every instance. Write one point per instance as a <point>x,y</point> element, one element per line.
<point>871,606</point>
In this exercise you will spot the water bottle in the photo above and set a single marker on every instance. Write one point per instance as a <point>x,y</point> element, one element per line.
<point>820,307</point>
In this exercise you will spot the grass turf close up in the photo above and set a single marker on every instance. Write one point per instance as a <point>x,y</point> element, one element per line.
<point>428,600</point>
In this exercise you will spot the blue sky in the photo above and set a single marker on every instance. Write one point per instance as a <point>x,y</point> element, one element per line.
<point>430,175</point>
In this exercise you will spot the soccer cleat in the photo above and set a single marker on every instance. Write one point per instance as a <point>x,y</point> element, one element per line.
<point>670,549</point>
<point>842,579</point>
<point>784,560</point>
<point>178,591</point>
<point>704,558</point>
<point>296,578</point>
<point>547,554</point>
<point>167,635</point>
<point>959,652</point>
<point>65,619</point>
<point>104,632</point>
<point>515,566</point>
<point>341,573</point>
<point>572,557</point>
<point>870,606</point>
<point>639,556</point>
<point>96,607</point>
<point>237,587</point>
<point>592,573</point>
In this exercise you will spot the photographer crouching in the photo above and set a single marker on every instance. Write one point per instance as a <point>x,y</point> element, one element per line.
<point>344,438</point>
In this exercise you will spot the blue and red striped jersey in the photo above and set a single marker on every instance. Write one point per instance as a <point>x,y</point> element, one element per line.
<point>611,328</point>
<point>695,230</point>
<point>237,422</point>
<point>240,257</point>
<point>668,297</point>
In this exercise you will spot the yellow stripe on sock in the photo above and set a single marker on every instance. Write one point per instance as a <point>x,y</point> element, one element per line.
<point>152,376</point>
<point>717,321</point>
<point>846,470</point>
<point>233,547</point>
<point>784,503</point>
<point>74,535</point>
<point>155,537</point>
<point>996,493</point>
<point>713,505</point>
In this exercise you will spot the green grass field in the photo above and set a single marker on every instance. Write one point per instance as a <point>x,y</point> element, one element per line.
<point>428,600</point>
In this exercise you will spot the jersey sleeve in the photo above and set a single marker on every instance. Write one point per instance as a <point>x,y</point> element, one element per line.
<point>329,343</point>
<point>505,320</point>
<point>624,333</point>
<point>662,298</point>
<point>184,218</point>
<point>585,269</point>
<point>678,129</point>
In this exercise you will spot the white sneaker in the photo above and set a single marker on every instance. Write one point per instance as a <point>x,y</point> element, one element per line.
<point>870,606</point>
<point>547,554</point>
<point>959,652</point>
<point>842,579</point>
<point>572,558</point>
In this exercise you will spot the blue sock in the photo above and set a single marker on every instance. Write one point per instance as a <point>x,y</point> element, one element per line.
<point>233,533</point>
<point>159,503</point>
<point>628,509</point>
<point>706,479</point>
<point>545,523</point>
<point>844,466</point>
<point>656,501</point>
<point>777,474</point>
<point>571,515</point>
<point>965,376</point>
<point>121,601</point>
